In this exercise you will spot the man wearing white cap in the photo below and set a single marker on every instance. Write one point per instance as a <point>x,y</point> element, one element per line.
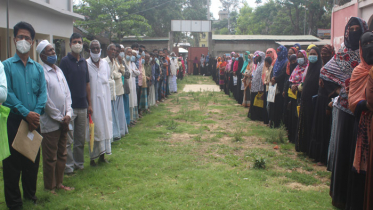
<point>54,123</point>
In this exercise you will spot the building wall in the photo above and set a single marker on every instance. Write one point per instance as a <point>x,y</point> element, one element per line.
<point>204,41</point>
<point>366,12</point>
<point>150,45</point>
<point>341,15</point>
<point>222,47</point>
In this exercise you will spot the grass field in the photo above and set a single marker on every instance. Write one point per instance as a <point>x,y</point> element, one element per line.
<point>197,150</point>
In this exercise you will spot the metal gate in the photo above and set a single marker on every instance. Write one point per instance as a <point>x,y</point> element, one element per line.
<point>195,52</point>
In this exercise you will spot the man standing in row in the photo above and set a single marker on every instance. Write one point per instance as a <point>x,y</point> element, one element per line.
<point>99,74</point>
<point>54,123</point>
<point>27,95</point>
<point>75,70</point>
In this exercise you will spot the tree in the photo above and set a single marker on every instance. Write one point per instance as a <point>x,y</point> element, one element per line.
<point>111,18</point>
<point>229,5</point>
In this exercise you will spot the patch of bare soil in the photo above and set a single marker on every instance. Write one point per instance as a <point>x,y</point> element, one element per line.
<point>300,187</point>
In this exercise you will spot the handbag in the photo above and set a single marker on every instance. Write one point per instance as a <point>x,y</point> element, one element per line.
<point>258,101</point>
<point>292,95</point>
<point>271,93</point>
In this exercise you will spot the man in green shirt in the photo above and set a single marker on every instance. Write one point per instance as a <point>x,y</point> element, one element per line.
<point>27,95</point>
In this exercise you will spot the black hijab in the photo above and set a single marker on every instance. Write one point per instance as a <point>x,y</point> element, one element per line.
<point>240,64</point>
<point>352,38</point>
<point>311,82</point>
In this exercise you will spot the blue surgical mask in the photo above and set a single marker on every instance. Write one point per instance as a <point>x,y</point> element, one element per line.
<point>143,53</point>
<point>300,61</point>
<point>156,59</point>
<point>133,58</point>
<point>52,59</point>
<point>151,59</point>
<point>249,60</point>
<point>138,56</point>
<point>128,58</point>
<point>233,59</point>
<point>142,61</point>
<point>312,58</point>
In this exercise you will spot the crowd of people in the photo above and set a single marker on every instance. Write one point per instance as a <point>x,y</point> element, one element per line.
<point>61,102</point>
<point>321,97</point>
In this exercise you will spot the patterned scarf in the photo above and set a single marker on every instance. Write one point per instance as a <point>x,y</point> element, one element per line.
<point>282,60</point>
<point>298,74</point>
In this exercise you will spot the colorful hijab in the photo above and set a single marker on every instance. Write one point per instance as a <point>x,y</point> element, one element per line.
<point>297,46</point>
<point>246,62</point>
<point>298,74</point>
<point>273,55</point>
<point>327,49</point>
<point>257,83</point>
<point>309,48</point>
<point>228,68</point>
<point>235,65</point>
<point>282,60</point>
<point>340,67</point>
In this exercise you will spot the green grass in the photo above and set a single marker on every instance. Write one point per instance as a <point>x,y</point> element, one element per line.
<point>193,158</point>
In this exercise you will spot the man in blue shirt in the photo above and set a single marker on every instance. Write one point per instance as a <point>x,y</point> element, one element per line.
<point>75,69</point>
<point>27,95</point>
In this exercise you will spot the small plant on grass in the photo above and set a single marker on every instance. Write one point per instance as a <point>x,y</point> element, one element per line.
<point>238,133</point>
<point>260,163</point>
<point>171,125</point>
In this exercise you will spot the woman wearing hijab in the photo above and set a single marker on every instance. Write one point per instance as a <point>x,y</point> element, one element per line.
<point>195,66</point>
<point>367,50</point>
<point>221,66</point>
<point>278,77</point>
<point>202,61</point>
<point>362,130</point>
<point>239,88</point>
<point>246,75</point>
<point>338,70</point>
<point>297,46</point>
<point>296,78</point>
<point>309,48</point>
<point>273,54</point>
<point>321,126</point>
<point>257,87</point>
<point>289,70</point>
<point>306,112</point>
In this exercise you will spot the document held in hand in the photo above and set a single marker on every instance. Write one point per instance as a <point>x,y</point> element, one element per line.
<point>27,143</point>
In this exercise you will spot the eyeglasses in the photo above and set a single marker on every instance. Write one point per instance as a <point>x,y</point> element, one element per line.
<point>27,38</point>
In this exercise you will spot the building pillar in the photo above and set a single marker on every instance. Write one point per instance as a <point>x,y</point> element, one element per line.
<point>171,41</point>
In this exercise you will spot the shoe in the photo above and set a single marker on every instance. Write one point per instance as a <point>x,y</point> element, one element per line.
<point>93,163</point>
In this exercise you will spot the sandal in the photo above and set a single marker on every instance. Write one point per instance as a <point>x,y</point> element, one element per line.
<point>66,188</point>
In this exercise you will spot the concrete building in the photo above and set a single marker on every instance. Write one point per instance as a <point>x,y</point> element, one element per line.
<point>342,13</point>
<point>204,39</point>
<point>150,43</point>
<point>223,44</point>
<point>51,19</point>
<point>223,14</point>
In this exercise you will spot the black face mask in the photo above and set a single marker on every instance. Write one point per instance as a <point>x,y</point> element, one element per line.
<point>354,38</point>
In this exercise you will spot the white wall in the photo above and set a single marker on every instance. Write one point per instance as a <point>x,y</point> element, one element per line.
<point>61,4</point>
<point>44,21</point>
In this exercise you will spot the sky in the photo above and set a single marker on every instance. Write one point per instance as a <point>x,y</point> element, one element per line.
<point>215,7</point>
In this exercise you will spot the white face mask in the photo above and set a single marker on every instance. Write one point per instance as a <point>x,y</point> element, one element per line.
<point>23,46</point>
<point>95,57</point>
<point>121,54</point>
<point>77,48</point>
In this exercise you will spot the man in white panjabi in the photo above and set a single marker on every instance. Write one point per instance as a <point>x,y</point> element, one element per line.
<point>99,75</point>
<point>117,106</point>
<point>174,66</point>
<point>133,95</point>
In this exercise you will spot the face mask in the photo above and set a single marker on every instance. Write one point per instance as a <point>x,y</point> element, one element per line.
<point>368,54</point>
<point>128,58</point>
<point>121,54</point>
<point>300,61</point>
<point>52,59</point>
<point>95,57</point>
<point>233,59</point>
<point>249,60</point>
<point>151,59</point>
<point>312,58</point>
<point>138,56</point>
<point>77,48</point>
<point>354,38</point>
<point>143,53</point>
<point>133,58</point>
<point>142,61</point>
<point>23,46</point>
<point>156,59</point>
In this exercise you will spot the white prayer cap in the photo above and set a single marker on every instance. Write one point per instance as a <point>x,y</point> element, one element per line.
<point>134,51</point>
<point>41,46</point>
<point>121,46</point>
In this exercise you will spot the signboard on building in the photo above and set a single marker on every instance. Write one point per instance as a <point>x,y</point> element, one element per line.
<point>191,25</point>
<point>324,33</point>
